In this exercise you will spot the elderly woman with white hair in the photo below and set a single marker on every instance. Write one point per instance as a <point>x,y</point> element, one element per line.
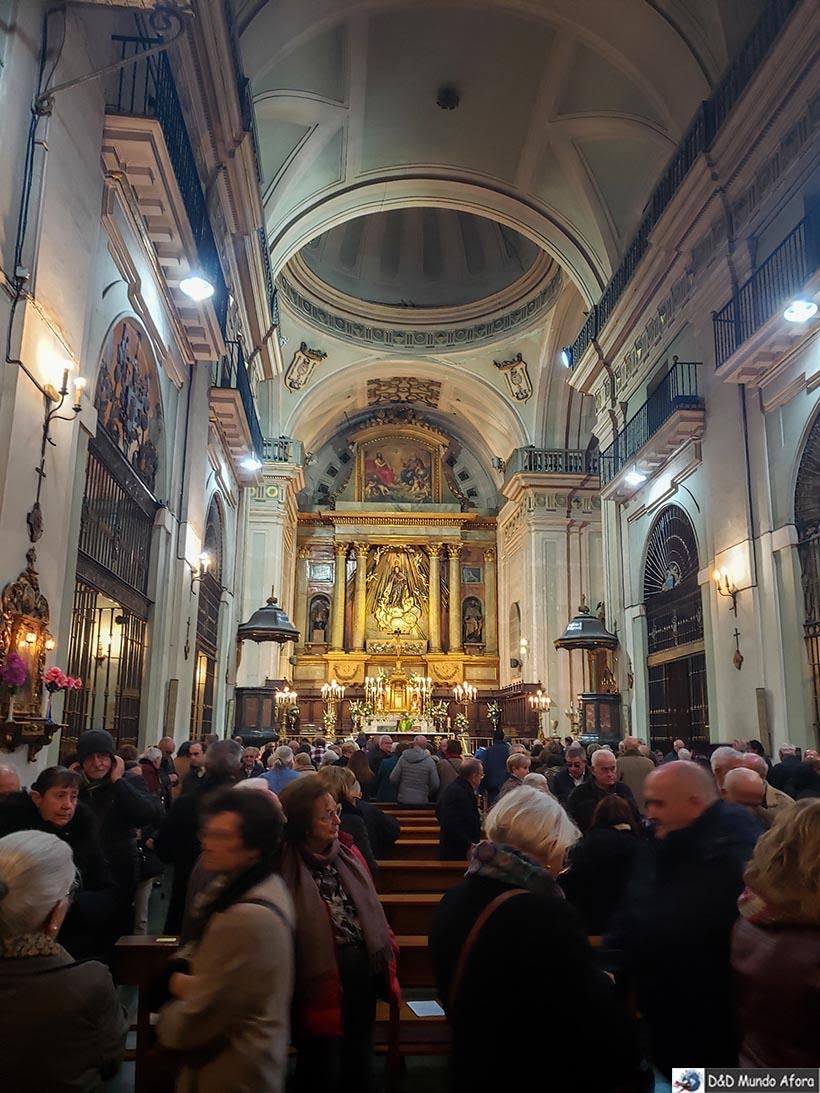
<point>281,771</point>
<point>482,927</point>
<point>43,992</point>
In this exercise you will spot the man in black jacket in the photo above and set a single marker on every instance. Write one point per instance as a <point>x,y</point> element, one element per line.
<point>583,801</point>
<point>457,812</point>
<point>782,773</point>
<point>675,921</point>
<point>574,774</point>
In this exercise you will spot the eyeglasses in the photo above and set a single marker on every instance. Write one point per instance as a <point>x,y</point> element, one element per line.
<point>327,817</point>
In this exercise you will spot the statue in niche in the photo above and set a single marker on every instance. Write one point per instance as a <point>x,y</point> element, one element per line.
<point>319,619</point>
<point>472,621</point>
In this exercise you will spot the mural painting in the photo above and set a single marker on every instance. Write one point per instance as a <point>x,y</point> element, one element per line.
<point>398,470</point>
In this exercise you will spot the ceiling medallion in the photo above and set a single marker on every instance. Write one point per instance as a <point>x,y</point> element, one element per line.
<point>517,377</point>
<point>404,389</point>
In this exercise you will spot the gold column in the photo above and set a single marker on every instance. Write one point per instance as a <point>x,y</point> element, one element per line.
<point>300,596</point>
<point>337,632</point>
<point>454,613</point>
<point>435,597</point>
<point>490,603</point>
<point>359,596</point>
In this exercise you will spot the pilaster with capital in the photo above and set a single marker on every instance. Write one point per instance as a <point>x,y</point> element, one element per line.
<point>434,550</point>
<point>454,608</point>
<point>337,632</point>
<point>300,595</point>
<point>490,603</point>
<point>360,596</point>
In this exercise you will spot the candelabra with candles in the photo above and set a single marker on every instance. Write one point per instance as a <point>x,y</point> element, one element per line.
<point>284,700</point>
<point>374,692</point>
<point>464,693</point>
<point>541,702</point>
<point>573,715</point>
<point>421,689</point>
<point>332,694</point>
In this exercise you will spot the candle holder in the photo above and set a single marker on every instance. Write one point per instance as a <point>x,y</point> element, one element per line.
<point>284,700</point>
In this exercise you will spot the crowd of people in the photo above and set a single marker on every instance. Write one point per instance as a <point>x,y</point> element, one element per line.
<point>671,901</point>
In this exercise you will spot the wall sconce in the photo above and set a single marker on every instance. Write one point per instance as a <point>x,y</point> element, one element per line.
<point>726,587</point>
<point>197,575</point>
<point>50,645</point>
<point>34,518</point>
<point>103,652</point>
<point>31,637</point>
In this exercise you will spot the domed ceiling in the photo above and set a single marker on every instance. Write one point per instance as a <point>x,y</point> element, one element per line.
<point>420,258</point>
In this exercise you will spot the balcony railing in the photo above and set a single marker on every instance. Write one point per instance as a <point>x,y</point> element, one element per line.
<point>270,287</point>
<point>678,390</point>
<point>146,89</point>
<point>552,461</point>
<point>282,449</point>
<point>699,137</point>
<point>232,372</point>
<point>781,276</point>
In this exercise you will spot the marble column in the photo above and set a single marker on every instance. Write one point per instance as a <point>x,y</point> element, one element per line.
<point>490,604</point>
<point>359,596</point>
<point>454,613</point>
<point>434,627</point>
<point>337,622</point>
<point>300,596</point>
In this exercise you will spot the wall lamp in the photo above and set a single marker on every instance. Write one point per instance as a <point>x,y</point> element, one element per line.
<point>53,403</point>
<point>204,565</point>
<point>726,587</point>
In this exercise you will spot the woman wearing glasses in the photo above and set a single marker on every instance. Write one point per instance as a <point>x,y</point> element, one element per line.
<point>43,992</point>
<point>345,955</point>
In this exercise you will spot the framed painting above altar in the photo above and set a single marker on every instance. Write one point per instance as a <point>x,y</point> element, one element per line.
<point>398,470</point>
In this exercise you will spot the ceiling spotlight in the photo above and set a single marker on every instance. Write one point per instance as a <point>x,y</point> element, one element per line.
<point>250,463</point>
<point>634,477</point>
<point>448,97</point>
<point>800,310</point>
<point>196,287</point>
<point>566,356</point>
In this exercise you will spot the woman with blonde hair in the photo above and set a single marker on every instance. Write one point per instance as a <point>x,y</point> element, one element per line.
<point>776,944</point>
<point>510,893</point>
<point>341,783</point>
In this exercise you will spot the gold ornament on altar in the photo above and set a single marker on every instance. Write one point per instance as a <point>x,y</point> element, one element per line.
<point>398,594</point>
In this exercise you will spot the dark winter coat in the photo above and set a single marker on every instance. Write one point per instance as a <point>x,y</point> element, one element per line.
<point>91,919</point>
<point>382,829</point>
<point>600,868</point>
<point>782,773</point>
<point>385,790</point>
<point>494,761</point>
<point>563,785</point>
<point>583,801</point>
<point>674,926</point>
<point>120,808</point>
<point>351,821</point>
<point>483,1061</point>
<point>458,816</point>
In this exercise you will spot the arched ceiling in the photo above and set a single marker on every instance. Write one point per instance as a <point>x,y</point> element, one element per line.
<point>568,111</point>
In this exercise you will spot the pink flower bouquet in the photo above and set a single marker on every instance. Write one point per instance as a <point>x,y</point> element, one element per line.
<point>55,679</point>
<point>13,673</point>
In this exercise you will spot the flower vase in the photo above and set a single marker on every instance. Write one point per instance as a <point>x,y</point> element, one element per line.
<point>10,715</point>
<point>49,718</point>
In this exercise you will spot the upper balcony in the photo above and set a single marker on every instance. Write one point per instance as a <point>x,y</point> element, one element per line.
<point>752,335</point>
<point>672,415</point>
<point>232,405</point>
<point>282,449</point>
<point>569,469</point>
<point>146,141</point>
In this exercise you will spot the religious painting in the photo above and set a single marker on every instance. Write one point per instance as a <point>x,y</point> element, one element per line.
<point>398,581</point>
<point>321,571</point>
<point>471,574</point>
<point>398,470</point>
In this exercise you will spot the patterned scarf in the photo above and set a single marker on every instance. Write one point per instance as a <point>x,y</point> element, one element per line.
<point>317,998</point>
<point>511,866</point>
<point>757,910</point>
<point>33,944</point>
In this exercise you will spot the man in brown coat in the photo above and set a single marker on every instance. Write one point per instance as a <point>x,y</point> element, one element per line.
<point>633,769</point>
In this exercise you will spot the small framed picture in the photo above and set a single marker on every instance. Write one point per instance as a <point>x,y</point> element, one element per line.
<point>471,574</point>
<point>321,571</point>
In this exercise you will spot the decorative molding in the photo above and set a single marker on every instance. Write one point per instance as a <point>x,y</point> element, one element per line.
<point>517,377</point>
<point>404,389</point>
<point>419,338</point>
<point>300,369</point>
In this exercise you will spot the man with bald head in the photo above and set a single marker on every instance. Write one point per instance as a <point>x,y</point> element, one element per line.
<point>676,918</point>
<point>769,802</point>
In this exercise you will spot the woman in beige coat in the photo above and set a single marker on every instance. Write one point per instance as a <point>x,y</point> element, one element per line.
<point>230,1016</point>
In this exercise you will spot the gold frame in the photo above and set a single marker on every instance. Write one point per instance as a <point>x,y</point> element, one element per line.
<point>25,610</point>
<point>426,438</point>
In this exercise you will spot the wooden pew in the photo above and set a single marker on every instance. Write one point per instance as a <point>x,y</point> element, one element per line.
<point>417,849</point>
<point>410,912</point>
<point>420,831</point>
<point>138,962</point>
<point>415,964</point>
<point>419,876</point>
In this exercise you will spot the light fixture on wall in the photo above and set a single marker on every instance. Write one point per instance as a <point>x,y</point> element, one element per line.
<point>196,287</point>
<point>800,310</point>
<point>726,587</point>
<point>251,463</point>
<point>50,645</point>
<point>31,637</point>
<point>204,565</point>
<point>53,400</point>
<point>634,477</point>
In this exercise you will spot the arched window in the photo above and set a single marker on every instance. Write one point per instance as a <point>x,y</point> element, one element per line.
<point>206,653</point>
<point>676,665</point>
<point>807,519</point>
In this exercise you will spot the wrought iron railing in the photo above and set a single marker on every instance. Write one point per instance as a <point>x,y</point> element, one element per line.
<point>231,371</point>
<point>552,461</point>
<point>146,89</point>
<point>700,135</point>
<point>282,449</point>
<point>270,287</point>
<point>779,278</point>
<point>678,390</point>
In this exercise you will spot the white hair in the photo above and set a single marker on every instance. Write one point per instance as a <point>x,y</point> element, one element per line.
<point>385,739</point>
<point>36,872</point>
<point>537,781</point>
<point>258,783</point>
<point>420,741</point>
<point>532,821</point>
<point>684,753</point>
<point>283,756</point>
<point>328,758</point>
<point>725,756</point>
<point>152,754</point>
<point>786,749</point>
<point>601,753</point>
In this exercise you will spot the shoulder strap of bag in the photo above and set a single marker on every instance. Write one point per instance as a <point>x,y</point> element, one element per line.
<point>472,937</point>
<point>271,907</point>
